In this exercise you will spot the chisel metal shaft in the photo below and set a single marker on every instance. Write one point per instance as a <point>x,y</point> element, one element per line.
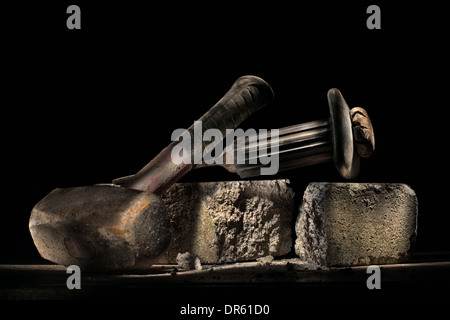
<point>298,146</point>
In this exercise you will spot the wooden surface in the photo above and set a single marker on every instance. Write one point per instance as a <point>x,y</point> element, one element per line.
<point>281,279</point>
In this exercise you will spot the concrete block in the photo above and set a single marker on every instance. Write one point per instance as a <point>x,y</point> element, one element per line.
<point>229,221</point>
<point>347,224</point>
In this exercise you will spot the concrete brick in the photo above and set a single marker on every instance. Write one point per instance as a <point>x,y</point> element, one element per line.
<point>229,221</point>
<point>347,224</point>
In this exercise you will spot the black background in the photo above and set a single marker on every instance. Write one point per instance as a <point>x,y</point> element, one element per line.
<point>86,106</point>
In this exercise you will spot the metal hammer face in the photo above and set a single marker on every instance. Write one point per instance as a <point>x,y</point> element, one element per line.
<point>100,227</point>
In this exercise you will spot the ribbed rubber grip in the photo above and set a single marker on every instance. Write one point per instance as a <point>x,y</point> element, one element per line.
<point>247,95</point>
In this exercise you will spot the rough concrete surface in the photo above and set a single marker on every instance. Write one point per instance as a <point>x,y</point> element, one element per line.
<point>188,262</point>
<point>229,221</point>
<point>347,224</point>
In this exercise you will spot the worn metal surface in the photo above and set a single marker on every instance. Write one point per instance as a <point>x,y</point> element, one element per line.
<point>363,133</point>
<point>100,227</point>
<point>299,145</point>
<point>345,156</point>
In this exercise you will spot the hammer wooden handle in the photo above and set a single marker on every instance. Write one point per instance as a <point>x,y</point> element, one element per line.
<point>248,94</point>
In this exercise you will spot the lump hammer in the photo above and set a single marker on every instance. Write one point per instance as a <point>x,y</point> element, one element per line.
<point>112,227</point>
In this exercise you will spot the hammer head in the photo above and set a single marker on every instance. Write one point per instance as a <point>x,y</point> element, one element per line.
<point>100,227</point>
